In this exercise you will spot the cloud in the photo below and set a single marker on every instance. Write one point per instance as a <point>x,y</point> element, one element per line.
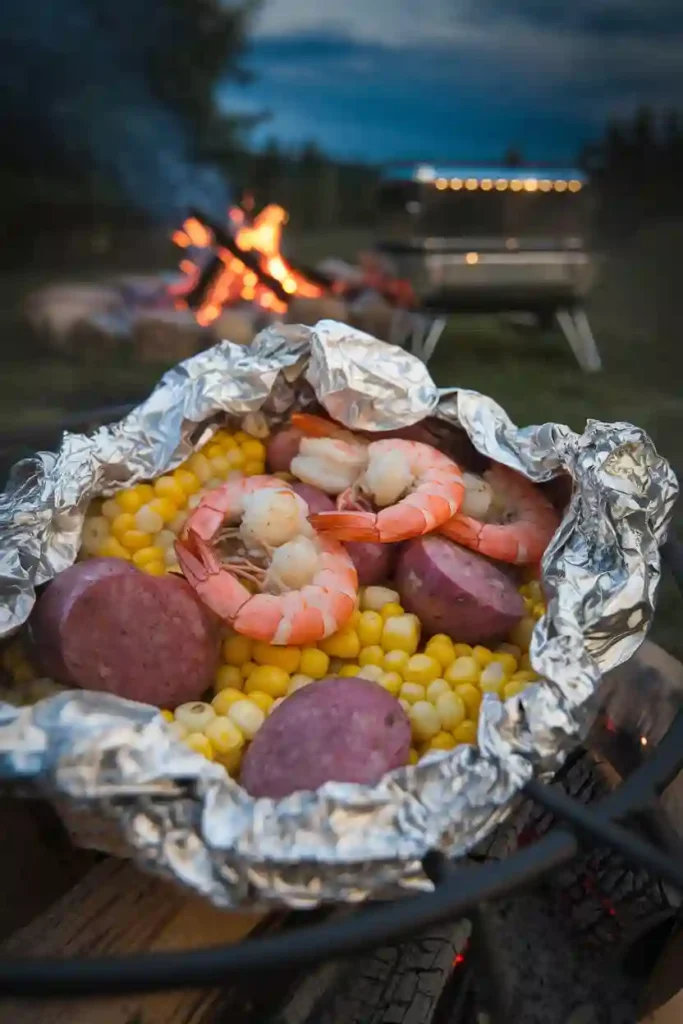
<point>467,74</point>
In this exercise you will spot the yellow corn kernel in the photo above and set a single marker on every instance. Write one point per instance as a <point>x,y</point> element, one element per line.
<point>145,492</point>
<point>396,661</point>
<point>349,670</point>
<point>110,509</point>
<point>413,756</point>
<point>262,700</point>
<point>148,520</point>
<point>421,668</point>
<point>391,682</point>
<point>154,568</point>
<point>188,481</point>
<point>436,688</point>
<point>373,655</point>
<point>164,507</point>
<point>276,704</point>
<point>286,658</point>
<point>253,468</point>
<point>128,500</point>
<point>462,650</point>
<point>354,619</point>
<point>535,592</point>
<point>135,540</point>
<point>373,599</point>
<point>463,670</point>
<point>471,698</point>
<point>314,663</point>
<point>247,716</point>
<point>482,655</point>
<point>405,704</point>
<point>524,675</point>
<point>124,522</point>
<point>373,672</point>
<point>344,644</point>
<point>466,732</point>
<point>441,650</point>
<point>231,762</point>
<point>224,735</point>
<point>521,633</point>
<point>198,742</point>
<point>450,707</point>
<point>212,450</point>
<point>389,611</point>
<point>424,720</point>
<point>400,633</point>
<point>253,450</point>
<point>228,676</point>
<point>225,698</point>
<point>508,661</point>
<point>514,687</point>
<point>167,715</point>
<point>248,668</point>
<point>528,604</point>
<point>96,531</point>
<point>220,466</point>
<point>199,465</point>
<point>112,548</point>
<point>145,555</point>
<point>442,741</point>
<point>235,458</point>
<point>525,661</point>
<point>269,679</point>
<point>168,487</point>
<point>195,716</point>
<point>298,681</point>
<point>493,678</point>
<point>237,650</point>
<point>412,692</point>
<point>538,610</point>
<point>509,649</point>
<point>524,589</point>
<point>241,436</point>
<point>370,625</point>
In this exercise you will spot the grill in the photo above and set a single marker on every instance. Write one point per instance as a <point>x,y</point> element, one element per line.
<point>601,858</point>
<point>494,240</point>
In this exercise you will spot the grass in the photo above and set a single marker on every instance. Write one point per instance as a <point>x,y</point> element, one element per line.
<point>534,377</point>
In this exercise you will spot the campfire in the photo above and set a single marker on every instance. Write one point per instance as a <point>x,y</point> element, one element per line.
<point>243,263</point>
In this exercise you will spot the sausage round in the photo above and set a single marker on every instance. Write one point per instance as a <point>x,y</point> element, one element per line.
<point>102,624</point>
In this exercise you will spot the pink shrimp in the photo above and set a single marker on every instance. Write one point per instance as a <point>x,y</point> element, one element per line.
<point>528,520</point>
<point>416,487</point>
<point>309,585</point>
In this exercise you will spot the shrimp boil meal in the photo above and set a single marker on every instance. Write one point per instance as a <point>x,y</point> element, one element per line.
<point>304,606</point>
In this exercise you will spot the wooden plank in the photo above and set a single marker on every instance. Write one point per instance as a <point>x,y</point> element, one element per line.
<point>117,909</point>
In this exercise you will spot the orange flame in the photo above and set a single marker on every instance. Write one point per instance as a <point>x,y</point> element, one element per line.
<point>235,282</point>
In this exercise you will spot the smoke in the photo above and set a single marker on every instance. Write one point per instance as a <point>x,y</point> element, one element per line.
<point>75,84</point>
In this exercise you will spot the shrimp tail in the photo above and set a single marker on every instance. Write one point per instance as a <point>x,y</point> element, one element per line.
<point>214,585</point>
<point>316,426</point>
<point>346,526</point>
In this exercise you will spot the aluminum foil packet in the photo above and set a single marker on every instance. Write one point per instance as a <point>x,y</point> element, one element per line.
<point>116,773</point>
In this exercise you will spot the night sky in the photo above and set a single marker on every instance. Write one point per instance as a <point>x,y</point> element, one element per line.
<point>458,79</point>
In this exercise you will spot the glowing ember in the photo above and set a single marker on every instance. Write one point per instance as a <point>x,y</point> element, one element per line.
<point>233,281</point>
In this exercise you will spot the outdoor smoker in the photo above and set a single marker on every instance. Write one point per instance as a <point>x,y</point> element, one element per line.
<point>493,239</point>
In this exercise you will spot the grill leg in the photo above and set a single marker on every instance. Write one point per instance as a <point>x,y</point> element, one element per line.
<point>577,330</point>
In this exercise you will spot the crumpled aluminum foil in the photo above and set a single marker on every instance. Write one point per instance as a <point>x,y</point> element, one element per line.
<point>125,785</point>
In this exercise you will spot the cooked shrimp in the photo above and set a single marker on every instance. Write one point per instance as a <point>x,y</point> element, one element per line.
<point>503,516</point>
<point>416,487</point>
<point>308,584</point>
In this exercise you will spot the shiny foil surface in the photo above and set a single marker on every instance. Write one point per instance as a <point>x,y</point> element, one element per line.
<point>124,784</point>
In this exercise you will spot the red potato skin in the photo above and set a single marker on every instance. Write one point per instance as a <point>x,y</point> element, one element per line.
<point>334,730</point>
<point>373,562</point>
<point>456,591</point>
<point>104,625</point>
<point>281,448</point>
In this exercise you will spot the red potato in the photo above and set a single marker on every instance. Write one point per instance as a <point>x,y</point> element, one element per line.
<point>456,591</point>
<point>373,562</point>
<point>335,730</point>
<point>281,448</point>
<point>104,625</point>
